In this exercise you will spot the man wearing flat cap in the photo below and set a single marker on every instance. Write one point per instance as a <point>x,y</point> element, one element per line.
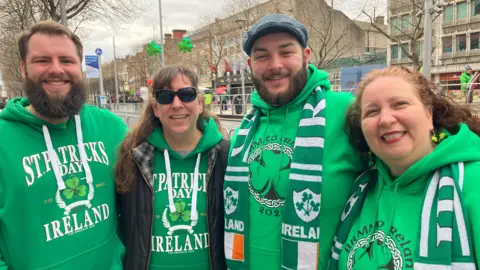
<point>291,167</point>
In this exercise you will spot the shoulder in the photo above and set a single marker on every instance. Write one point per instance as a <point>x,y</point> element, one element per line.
<point>471,179</point>
<point>102,116</point>
<point>339,99</point>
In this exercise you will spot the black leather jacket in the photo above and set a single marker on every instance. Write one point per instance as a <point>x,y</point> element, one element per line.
<point>136,208</point>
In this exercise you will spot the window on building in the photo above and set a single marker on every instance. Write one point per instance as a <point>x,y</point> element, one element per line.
<point>396,24</point>
<point>394,52</point>
<point>418,48</point>
<point>462,10</point>
<point>447,44</point>
<point>475,7</point>
<point>474,41</point>
<point>405,22</point>
<point>461,43</point>
<point>405,48</point>
<point>448,14</point>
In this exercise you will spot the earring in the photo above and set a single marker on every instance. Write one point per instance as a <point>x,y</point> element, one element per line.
<point>438,138</point>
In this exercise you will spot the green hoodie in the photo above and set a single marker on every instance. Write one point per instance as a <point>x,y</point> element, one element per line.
<point>179,241</point>
<point>465,80</point>
<point>392,209</point>
<point>278,127</point>
<point>63,220</point>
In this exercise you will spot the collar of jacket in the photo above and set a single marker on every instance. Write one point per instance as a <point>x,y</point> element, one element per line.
<point>143,155</point>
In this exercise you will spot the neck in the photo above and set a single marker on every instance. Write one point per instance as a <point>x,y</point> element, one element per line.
<point>50,120</point>
<point>183,142</point>
<point>397,167</point>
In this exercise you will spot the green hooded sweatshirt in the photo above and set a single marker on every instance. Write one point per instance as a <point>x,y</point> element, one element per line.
<point>341,165</point>
<point>179,240</point>
<point>392,209</point>
<point>465,80</point>
<point>61,216</point>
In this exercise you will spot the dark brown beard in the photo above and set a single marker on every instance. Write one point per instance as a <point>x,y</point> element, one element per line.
<point>297,83</point>
<point>51,107</point>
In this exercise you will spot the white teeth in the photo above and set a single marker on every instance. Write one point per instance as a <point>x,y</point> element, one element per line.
<point>393,136</point>
<point>56,83</point>
<point>277,77</point>
<point>178,116</point>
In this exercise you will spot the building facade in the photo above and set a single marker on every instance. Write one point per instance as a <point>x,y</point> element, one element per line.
<point>219,59</point>
<point>456,39</point>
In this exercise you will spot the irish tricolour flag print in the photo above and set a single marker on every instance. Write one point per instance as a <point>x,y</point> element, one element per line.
<point>302,260</point>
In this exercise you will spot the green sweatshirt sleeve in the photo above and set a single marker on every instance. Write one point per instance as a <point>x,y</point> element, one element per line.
<point>471,201</point>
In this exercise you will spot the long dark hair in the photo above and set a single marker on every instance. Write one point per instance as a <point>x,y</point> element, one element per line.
<point>445,112</point>
<point>125,166</point>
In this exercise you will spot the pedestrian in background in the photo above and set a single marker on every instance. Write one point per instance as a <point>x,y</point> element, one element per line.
<point>170,177</point>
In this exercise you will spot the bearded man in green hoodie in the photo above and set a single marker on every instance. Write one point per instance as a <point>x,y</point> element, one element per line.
<point>291,168</point>
<point>57,192</point>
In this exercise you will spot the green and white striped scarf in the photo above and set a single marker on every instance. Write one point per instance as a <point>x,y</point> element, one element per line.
<point>301,219</point>
<point>445,237</point>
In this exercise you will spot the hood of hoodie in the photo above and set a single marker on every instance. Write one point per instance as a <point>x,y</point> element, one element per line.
<point>315,78</point>
<point>16,110</point>
<point>211,136</point>
<point>443,154</point>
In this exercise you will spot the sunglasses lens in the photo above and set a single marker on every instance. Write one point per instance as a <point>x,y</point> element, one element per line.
<point>187,94</point>
<point>164,96</point>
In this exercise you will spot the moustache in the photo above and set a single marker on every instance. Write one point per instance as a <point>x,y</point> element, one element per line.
<point>273,74</point>
<point>58,77</point>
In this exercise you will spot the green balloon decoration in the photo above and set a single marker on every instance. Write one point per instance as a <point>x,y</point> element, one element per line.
<point>185,45</point>
<point>153,48</point>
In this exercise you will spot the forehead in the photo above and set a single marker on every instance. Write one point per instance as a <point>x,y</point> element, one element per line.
<point>51,45</point>
<point>386,87</point>
<point>274,41</point>
<point>180,81</point>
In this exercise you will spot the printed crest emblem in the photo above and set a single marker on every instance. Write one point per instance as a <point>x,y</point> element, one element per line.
<point>75,194</point>
<point>230,198</point>
<point>179,218</point>
<point>307,204</point>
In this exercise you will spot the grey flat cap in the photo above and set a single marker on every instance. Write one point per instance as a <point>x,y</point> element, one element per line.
<point>274,23</point>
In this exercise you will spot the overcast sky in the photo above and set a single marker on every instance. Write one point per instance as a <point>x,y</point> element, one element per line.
<point>178,14</point>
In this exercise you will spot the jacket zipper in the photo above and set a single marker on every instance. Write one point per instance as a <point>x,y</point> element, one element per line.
<point>151,216</point>
<point>208,207</point>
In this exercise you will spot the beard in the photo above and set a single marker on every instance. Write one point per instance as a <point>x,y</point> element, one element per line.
<point>55,107</point>
<point>296,85</point>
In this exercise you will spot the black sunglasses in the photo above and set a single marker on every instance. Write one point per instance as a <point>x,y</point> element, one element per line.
<point>166,96</point>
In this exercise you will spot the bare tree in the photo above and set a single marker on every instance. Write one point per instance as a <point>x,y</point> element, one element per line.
<point>407,29</point>
<point>333,35</point>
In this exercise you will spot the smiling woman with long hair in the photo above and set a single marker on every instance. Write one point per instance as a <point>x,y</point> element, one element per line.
<point>417,207</point>
<point>169,179</point>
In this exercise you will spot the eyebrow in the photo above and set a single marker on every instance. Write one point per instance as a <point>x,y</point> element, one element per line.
<point>281,46</point>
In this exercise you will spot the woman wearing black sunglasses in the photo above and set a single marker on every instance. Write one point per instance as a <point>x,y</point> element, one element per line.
<point>169,179</point>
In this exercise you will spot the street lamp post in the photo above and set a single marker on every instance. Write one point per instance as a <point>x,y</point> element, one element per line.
<point>427,39</point>
<point>161,31</point>
<point>63,12</point>
<point>241,24</point>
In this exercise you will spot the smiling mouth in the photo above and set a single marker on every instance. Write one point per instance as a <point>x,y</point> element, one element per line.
<point>276,77</point>
<point>393,136</point>
<point>178,116</point>
<point>56,82</point>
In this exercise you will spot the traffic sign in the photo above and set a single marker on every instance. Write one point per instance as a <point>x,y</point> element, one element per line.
<point>98,51</point>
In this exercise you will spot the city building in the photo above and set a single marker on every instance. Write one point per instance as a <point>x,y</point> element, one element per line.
<point>456,39</point>
<point>218,57</point>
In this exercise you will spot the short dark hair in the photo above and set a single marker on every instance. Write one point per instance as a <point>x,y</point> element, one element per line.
<point>47,28</point>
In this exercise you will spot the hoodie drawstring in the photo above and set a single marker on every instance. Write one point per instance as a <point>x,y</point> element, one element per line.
<point>56,161</point>
<point>193,211</point>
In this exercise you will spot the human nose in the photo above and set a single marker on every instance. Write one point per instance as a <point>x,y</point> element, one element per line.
<point>177,103</point>
<point>387,118</point>
<point>275,62</point>
<point>56,67</point>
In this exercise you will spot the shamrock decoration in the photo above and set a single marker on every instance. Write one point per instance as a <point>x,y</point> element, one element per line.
<point>73,189</point>
<point>307,204</point>
<point>153,48</point>
<point>230,200</point>
<point>180,212</point>
<point>185,45</point>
